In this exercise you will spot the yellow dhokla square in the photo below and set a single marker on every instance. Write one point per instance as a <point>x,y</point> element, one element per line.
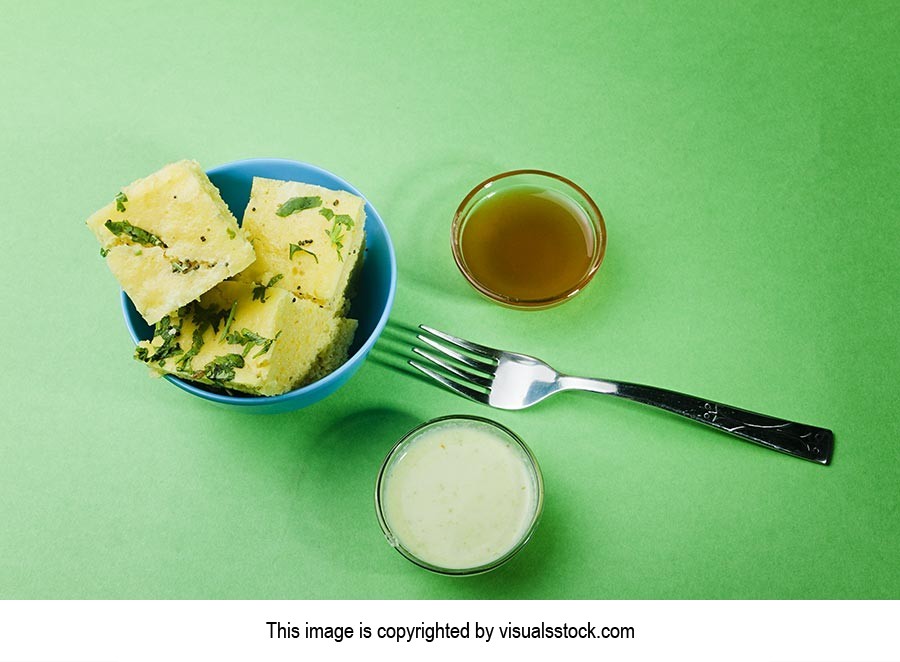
<point>335,353</point>
<point>170,237</point>
<point>249,338</point>
<point>312,236</point>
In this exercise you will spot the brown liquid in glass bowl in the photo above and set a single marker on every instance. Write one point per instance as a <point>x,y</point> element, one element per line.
<point>527,243</point>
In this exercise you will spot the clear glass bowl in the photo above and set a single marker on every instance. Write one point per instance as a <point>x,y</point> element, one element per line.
<point>533,179</point>
<point>399,450</point>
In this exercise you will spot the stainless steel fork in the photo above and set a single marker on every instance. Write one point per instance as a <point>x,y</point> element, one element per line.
<point>508,380</point>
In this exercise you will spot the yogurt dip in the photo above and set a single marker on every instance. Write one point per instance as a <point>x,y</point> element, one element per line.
<point>459,495</point>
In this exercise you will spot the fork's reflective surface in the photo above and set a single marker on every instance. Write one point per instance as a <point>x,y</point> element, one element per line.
<point>508,380</point>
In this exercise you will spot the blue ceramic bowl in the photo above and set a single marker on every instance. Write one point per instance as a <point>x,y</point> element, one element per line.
<point>371,305</point>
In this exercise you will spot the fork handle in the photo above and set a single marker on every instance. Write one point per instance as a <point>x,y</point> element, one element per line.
<point>804,441</point>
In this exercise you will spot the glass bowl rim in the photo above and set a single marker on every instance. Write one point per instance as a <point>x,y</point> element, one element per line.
<point>491,565</point>
<point>598,224</point>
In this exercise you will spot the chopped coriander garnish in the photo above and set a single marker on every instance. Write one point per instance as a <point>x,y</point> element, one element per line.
<point>203,318</point>
<point>259,292</point>
<point>231,233</point>
<point>208,317</point>
<point>136,234</point>
<point>183,266</point>
<point>169,333</point>
<point>249,340</point>
<point>121,199</point>
<point>298,204</point>
<point>163,328</point>
<point>299,247</point>
<point>184,363</point>
<point>221,368</point>
<point>337,239</point>
<point>335,234</point>
<point>230,319</point>
<point>267,345</point>
<point>104,251</point>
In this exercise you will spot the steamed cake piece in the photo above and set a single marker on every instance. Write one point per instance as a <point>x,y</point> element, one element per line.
<point>335,353</point>
<point>310,234</point>
<point>169,238</point>
<point>254,339</point>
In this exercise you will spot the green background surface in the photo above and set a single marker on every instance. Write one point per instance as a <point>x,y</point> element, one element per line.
<point>744,156</point>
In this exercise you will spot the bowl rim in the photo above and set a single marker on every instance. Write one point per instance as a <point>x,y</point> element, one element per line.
<point>410,436</point>
<point>598,224</point>
<point>256,400</point>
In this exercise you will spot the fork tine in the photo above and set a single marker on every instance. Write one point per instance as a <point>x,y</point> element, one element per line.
<point>463,373</point>
<point>477,364</point>
<point>464,391</point>
<point>475,348</point>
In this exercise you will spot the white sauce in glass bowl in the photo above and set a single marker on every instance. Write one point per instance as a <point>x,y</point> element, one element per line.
<point>460,494</point>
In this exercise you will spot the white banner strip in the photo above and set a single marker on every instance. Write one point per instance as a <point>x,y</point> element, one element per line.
<point>258,631</point>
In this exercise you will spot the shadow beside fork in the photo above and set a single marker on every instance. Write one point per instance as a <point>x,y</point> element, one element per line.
<point>394,349</point>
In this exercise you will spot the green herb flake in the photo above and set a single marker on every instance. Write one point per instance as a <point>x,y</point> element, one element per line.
<point>249,340</point>
<point>267,345</point>
<point>259,292</point>
<point>337,239</point>
<point>184,363</point>
<point>207,317</point>
<point>169,333</point>
<point>294,205</point>
<point>229,320</point>
<point>136,234</point>
<point>221,368</point>
<point>121,199</point>
<point>294,248</point>
<point>231,233</point>
<point>204,319</point>
<point>327,213</point>
<point>104,251</point>
<point>344,219</point>
<point>183,266</point>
